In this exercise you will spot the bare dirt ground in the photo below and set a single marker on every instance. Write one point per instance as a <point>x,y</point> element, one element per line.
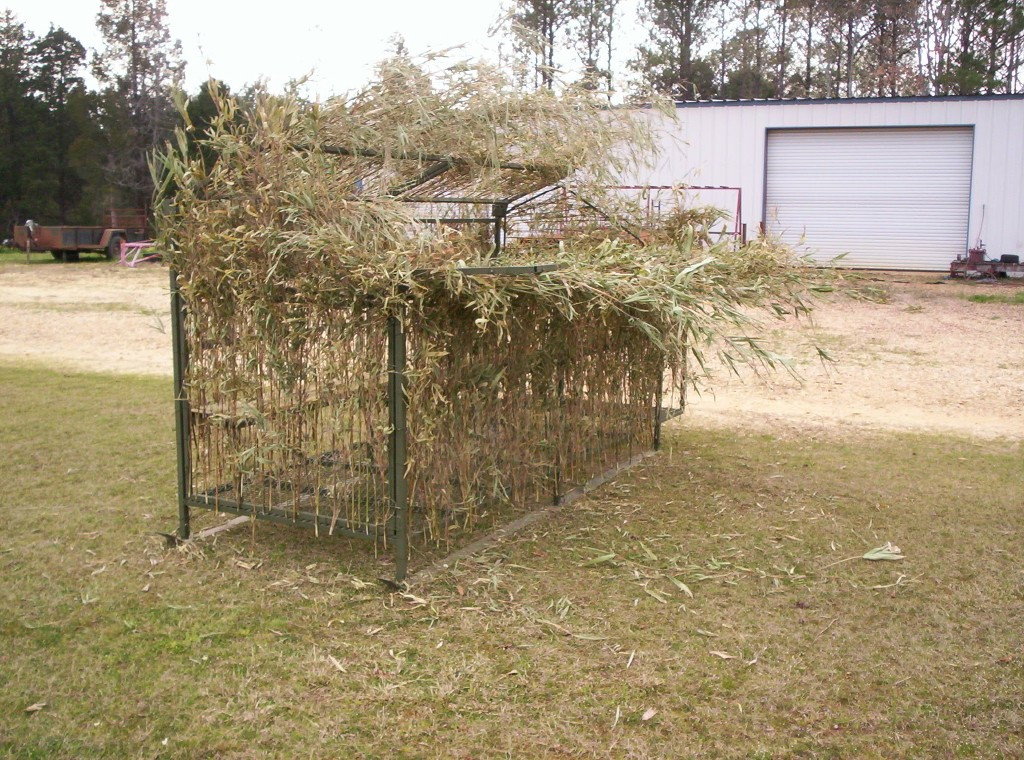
<point>925,359</point>
<point>91,315</point>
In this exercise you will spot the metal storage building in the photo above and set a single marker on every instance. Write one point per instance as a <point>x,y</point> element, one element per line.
<point>892,183</point>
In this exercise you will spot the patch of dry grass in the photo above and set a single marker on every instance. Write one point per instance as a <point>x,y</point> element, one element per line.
<point>556,644</point>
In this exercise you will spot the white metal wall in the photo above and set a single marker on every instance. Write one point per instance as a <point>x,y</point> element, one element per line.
<point>724,144</point>
<point>880,197</point>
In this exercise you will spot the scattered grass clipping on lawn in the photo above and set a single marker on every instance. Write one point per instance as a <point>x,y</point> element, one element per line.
<point>235,649</point>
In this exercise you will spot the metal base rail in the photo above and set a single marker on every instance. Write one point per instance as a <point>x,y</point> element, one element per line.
<point>285,515</point>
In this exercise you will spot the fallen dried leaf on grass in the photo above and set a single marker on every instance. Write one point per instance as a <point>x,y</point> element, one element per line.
<point>898,583</point>
<point>649,713</point>
<point>723,655</point>
<point>681,586</point>
<point>599,560</point>
<point>565,631</point>
<point>656,594</point>
<point>35,708</point>
<point>889,552</point>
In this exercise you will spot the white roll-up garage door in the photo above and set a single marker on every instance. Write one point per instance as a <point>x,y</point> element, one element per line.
<point>889,198</point>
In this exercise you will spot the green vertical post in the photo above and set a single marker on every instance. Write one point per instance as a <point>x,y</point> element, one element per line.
<point>499,211</point>
<point>181,413</point>
<point>556,475</point>
<point>658,400</point>
<point>397,487</point>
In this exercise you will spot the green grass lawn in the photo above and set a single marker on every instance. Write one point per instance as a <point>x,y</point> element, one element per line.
<point>17,256</point>
<point>578,639</point>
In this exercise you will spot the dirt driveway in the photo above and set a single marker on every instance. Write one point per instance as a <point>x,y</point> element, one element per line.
<point>90,315</point>
<point>925,359</point>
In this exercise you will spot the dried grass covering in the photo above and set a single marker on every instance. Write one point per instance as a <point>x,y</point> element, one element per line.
<point>302,238</point>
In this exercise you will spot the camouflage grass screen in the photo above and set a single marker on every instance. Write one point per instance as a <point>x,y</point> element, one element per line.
<point>302,233</point>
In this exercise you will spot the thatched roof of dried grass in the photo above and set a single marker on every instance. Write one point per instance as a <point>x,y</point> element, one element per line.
<point>306,207</point>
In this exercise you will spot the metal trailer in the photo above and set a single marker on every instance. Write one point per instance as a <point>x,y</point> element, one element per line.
<point>66,242</point>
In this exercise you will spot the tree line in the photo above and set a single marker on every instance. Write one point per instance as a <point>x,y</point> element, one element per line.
<point>69,150</point>
<point>706,49</point>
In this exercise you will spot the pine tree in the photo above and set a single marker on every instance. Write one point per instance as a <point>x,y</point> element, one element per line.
<point>56,64</point>
<point>202,111</point>
<point>589,30</point>
<point>669,62</point>
<point>139,65</point>
<point>537,23</point>
<point>19,118</point>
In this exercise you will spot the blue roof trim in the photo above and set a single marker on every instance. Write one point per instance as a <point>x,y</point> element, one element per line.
<point>816,101</point>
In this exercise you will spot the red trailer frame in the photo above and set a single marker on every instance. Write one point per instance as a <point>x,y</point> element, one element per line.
<point>66,242</point>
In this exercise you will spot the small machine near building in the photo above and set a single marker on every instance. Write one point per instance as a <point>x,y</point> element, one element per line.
<point>977,265</point>
<point>66,242</point>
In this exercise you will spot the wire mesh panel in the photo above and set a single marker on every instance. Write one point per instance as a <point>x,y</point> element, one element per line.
<point>529,412</point>
<point>288,416</point>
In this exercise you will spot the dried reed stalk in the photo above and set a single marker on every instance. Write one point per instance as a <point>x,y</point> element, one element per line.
<point>301,238</point>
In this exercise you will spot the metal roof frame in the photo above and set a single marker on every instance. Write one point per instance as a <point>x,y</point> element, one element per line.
<point>434,184</point>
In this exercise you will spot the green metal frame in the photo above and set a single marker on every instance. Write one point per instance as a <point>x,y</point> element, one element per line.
<point>397,529</point>
<point>181,411</point>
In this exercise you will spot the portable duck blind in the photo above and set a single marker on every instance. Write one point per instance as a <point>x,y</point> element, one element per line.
<point>358,416</point>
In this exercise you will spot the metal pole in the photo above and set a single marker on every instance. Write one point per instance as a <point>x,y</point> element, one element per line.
<point>500,211</point>
<point>397,486</point>
<point>556,476</point>
<point>657,407</point>
<point>181,412</point>
<point>741,228</point>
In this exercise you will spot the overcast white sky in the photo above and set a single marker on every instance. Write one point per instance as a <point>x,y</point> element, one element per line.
<point>240,42</point>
